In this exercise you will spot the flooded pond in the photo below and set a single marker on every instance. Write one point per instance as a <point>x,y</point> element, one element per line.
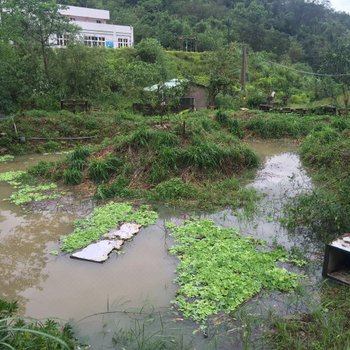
<point>97,298</point>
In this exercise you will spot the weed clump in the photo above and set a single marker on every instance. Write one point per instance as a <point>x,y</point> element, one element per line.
<point>324,212</point>
<point>325,327</point>
<point>152,139</point>
<point>17,333</point>
<point>42,169</point>
<point>163,162</point>
<point>117,189</point>
<point>80,153</point>
<point>173,189</point>
<point>72,176</point>
<point>100,170</point>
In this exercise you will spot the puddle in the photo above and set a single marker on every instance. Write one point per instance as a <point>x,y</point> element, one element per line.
<point>60,287</point>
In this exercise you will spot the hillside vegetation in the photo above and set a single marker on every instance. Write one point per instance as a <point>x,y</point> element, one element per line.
<point>287,43</point>
<point>178,159</point>
<point>302,30</point>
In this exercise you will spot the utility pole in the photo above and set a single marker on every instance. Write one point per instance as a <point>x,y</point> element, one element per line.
<point>244,69</point>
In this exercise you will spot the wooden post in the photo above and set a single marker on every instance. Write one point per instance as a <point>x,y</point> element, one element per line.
<point>244,70</point>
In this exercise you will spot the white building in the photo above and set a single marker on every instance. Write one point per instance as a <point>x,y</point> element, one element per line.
<point>94,28</point>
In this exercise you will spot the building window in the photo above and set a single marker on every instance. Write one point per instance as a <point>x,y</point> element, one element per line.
<point>62,39</point>
<point>94,41</point>
<point>123,42</point>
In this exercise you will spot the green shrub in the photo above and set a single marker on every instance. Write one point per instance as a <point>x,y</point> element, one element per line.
<point>72,176</point>
<point>173,189</point>
<point>325,212</point>
<point>235,128</point>
<point>152,138</point>
<point>317,148</point>
<point>341,124</point>
<point>222,117</point>
<point>203,156</point>
<point>118,189</point>
<point>300,99</point>
<point>42,169</point>
<point>91,124</point>
<point>100,170</point>
<point>78,164</point>
<point>248,158</point>
<point>226,101</point>
<point>157,174</point>
<point>255,97</point>
<point>20,334</point>
<point>52,146</point>
<point>168,157</point>
<point>209,124</point>
<point>278,126</point>
<point>80,153</point>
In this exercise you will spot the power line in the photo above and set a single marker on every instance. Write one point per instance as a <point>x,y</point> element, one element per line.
<point>304,71</point>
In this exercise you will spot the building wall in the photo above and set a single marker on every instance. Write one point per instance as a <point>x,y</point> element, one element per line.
<point>200,95</point>
<point>94,29</point>
<point>85,12</point>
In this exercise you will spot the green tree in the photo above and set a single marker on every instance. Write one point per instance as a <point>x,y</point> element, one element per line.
<point>225,71</point>
<point>34,23</point>
<point>337,62</point>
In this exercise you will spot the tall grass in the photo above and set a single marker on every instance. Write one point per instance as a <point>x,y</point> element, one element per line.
<point>325,212</point>
<point>79,153</point>
<point>117,189</point>
<point>327,326</point>
<point>283,125</point>
<point>100,170</point>
<point>72,176</point>
<point>172,189</point>
<point>152,138</point>
<point>19,334</point>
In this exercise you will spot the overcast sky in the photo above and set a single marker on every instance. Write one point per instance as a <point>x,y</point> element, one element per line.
<point>341,5</point>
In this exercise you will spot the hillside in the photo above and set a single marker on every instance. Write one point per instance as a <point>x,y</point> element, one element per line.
<point>303,30</point>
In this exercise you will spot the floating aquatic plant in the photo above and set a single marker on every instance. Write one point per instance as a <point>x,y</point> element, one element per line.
<point>12,177</point>
<point>102,220</point>
<point>28,193</point>
<point>6,158</point>
<point>219,269</point>
<point>38,193</point>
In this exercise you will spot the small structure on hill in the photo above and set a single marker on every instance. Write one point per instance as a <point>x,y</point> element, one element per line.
<point>196,97</point>
<point>173,96</point>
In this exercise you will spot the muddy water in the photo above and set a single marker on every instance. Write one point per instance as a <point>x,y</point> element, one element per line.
<point>280,178</point>
<point>49,286</point>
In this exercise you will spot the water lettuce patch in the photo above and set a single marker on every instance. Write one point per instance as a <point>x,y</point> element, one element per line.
<point>102,220</point>
<point>219,269</point>
<point>26,193</point>
<point>6,158</point>
<point>12,177</point>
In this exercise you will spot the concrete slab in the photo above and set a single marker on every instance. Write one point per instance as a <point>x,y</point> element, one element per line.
<point>125,231</point>
<point>98,252</point>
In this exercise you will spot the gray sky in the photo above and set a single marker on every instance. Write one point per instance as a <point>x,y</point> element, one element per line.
<point>341,5</point>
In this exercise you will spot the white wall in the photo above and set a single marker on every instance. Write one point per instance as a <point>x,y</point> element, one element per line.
<point>75,11</point>
<point>109,35</point>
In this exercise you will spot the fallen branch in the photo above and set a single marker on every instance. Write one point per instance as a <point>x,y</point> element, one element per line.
<point>62,138</point>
